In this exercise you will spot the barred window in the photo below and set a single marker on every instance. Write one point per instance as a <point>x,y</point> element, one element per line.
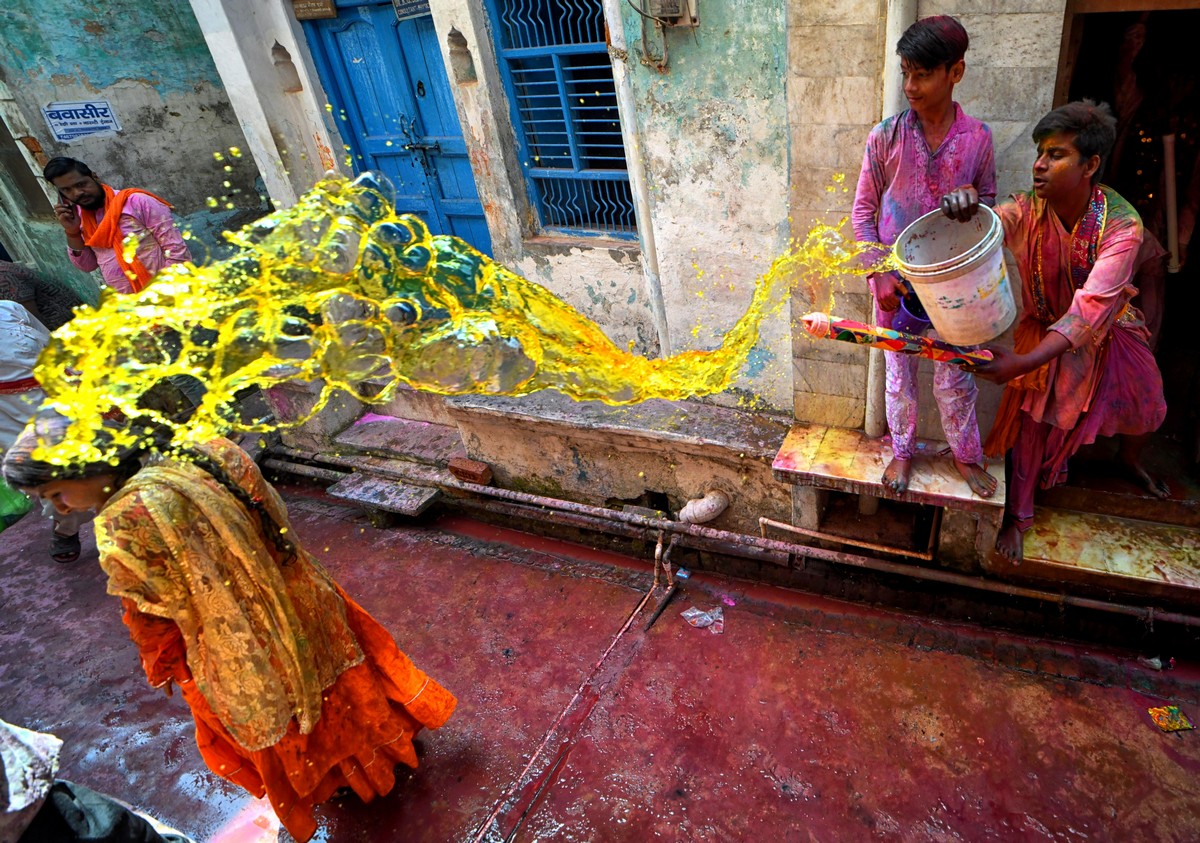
<point>556,69</point>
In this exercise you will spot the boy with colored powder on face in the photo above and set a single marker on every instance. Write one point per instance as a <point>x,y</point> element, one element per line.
<point>911,161</point>
<point>1081,365</point>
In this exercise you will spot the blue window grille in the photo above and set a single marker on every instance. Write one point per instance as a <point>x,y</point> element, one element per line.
<point>555,65</point>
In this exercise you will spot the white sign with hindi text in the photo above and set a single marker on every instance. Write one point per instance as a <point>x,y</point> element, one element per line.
<point>70,121</point>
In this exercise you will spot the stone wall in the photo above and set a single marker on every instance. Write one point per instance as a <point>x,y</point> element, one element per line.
<point>834,84</point>
<point>1011,70</point>
<point>149,60</point>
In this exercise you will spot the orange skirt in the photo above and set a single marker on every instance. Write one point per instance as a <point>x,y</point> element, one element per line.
<point>366,727</point>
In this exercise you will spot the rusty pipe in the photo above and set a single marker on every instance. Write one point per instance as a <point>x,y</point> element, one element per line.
<point>540,507</point>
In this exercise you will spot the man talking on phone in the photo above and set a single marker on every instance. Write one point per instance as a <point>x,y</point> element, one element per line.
<point>98,220</point>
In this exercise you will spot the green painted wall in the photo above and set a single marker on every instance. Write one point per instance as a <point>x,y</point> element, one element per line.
<point>149,59</point>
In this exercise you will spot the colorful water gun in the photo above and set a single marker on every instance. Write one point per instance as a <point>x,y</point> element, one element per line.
<point>824,326</point>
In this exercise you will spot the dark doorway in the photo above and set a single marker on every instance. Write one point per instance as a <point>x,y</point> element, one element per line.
<point>1143,64</point>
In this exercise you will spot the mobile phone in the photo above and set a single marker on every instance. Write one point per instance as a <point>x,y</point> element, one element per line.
<point>62,200</point>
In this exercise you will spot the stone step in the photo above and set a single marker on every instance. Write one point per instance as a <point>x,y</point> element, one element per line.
<point>843,460</point>
<point>1161,560</point>
<point>383,493</point>
<point>402,439</point>
<point>1133,503</point>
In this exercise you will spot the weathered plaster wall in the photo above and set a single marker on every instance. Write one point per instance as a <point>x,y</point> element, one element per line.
<point>834,83</point>
<point>288,132</point>
<point>714,134</point>
<point>148,59</point>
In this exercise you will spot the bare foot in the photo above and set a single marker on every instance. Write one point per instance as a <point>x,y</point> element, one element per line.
<point>1010,544</point>
<point>977,477</point>
<point>895,476</point>
<point>1141,477</point>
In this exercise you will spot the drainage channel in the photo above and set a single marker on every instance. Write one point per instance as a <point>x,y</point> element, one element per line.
<point>633,525</point>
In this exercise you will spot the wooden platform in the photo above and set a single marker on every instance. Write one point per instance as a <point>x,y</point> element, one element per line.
<point>848,461</point>
<point>1152,558</point>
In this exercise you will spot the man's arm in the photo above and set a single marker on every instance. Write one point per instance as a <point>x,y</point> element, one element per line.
<point>864,218</point>
<point>80,254</point>
<point>1094,307</point>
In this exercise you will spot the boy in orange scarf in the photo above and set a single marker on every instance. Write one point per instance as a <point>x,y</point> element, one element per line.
<point>97,220</point>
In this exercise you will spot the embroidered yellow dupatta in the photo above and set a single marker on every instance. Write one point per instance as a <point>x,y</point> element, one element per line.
<point>263,639</point>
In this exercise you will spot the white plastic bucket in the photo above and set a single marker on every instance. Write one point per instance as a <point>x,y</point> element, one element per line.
<point>957,271</point>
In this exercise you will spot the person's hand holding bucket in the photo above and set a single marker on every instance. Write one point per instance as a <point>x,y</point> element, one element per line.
<point>961,204</point>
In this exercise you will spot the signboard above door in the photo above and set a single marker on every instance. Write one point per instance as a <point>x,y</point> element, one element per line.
<point>314,9</point>
<point>406,9</point>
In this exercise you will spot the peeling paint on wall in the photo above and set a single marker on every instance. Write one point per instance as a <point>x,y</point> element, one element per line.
<point>147,41</point>
<point>150,61</point>
<point>714,131</point>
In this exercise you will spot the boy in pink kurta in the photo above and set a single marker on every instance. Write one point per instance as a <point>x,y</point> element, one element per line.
<point>911,161</point>
<point>1081,366</point>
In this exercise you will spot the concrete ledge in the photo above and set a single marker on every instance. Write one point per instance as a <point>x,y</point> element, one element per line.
<point>754,435</point>
<point>594,453</point>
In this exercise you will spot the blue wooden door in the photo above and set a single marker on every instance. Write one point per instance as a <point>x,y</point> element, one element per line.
<point>387,82</point>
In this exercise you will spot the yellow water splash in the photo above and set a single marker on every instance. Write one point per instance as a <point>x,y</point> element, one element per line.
<point>826,259</point>
<point>340,289</point>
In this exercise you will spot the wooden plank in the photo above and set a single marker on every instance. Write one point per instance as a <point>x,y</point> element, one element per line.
<point>384,493</point>
<point>849,461</point>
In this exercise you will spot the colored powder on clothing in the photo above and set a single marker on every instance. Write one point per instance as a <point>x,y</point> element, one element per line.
<point>340,289</point>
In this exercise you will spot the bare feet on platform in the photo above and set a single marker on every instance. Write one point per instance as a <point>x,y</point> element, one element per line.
<point>977,477</point>
<point>1010,543</point>
<point>1138,474</point>
<point>895,476</point>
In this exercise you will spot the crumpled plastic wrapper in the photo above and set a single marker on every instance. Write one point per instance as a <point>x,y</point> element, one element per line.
<point>712,620</point>
<point>1170,719</point>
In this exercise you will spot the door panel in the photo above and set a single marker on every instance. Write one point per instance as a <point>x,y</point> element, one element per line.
<point>388,80</point>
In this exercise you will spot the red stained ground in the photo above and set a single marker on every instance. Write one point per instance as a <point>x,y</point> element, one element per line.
<point>783,728</point>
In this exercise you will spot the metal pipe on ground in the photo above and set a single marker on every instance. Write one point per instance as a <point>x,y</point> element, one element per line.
<point>605,520</point>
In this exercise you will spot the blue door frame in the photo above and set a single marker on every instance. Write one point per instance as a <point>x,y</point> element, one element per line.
<point>388,86</point>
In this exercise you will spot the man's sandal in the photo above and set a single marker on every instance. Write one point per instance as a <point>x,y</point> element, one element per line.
<point>64,549</point>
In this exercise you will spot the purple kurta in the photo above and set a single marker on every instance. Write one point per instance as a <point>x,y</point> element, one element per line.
<point>900,181</point>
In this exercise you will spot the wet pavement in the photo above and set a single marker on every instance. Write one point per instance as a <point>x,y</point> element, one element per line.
<point>807,719</point>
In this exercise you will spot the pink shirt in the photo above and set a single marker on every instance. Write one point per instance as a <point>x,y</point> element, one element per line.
<point>159,242</point>
<point>902,180</point>
<point>1083,316</point>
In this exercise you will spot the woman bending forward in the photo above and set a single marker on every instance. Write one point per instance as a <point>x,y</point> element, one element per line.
<point>295,689</point>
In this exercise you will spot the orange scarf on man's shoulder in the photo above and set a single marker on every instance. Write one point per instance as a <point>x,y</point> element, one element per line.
<point>107,233</point>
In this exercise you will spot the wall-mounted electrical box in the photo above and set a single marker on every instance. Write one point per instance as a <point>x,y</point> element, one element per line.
<point>674,12</point>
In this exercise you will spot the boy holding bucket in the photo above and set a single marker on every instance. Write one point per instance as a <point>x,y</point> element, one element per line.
<point>1081,366</point>
<point>912,160</point>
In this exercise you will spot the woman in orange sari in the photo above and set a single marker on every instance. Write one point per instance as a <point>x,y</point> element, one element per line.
<point>296,691</point>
